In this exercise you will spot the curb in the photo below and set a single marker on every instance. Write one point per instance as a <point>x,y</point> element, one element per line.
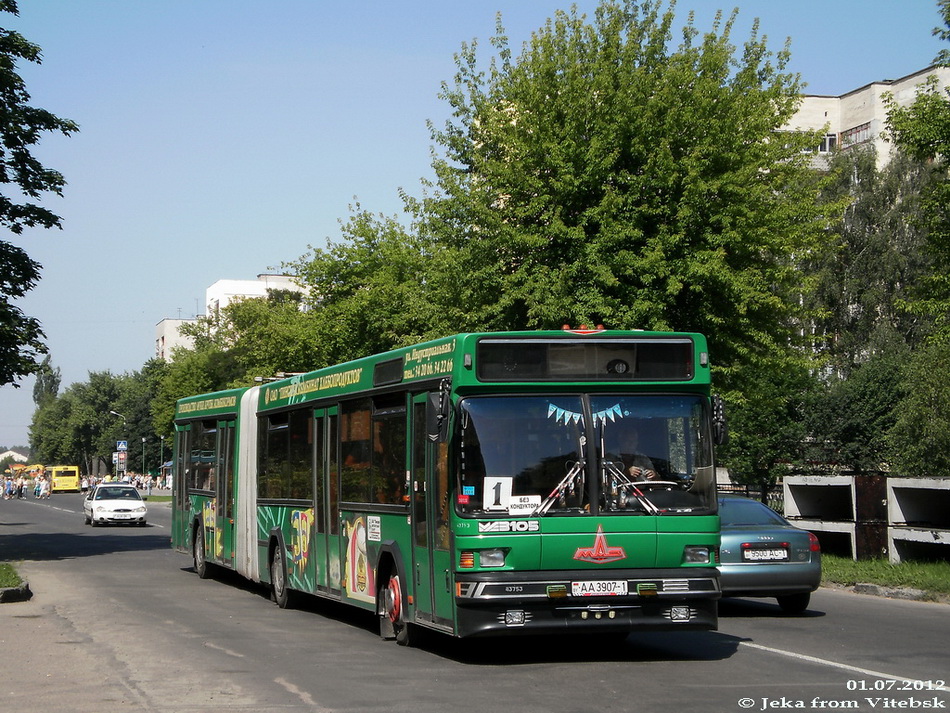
<point>893,592</point>
<point>16,594</point>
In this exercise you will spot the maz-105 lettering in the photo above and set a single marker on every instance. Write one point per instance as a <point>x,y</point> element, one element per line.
<point>510,526</point>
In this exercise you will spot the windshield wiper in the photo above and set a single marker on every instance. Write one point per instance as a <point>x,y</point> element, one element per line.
<point>619,482</point>
<point>567,486</point>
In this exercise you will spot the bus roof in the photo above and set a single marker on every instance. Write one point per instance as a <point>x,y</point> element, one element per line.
<point>218,403</point>
<point>456,356</point>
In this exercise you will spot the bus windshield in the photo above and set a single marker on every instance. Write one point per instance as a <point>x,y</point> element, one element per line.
<point>635,454</point>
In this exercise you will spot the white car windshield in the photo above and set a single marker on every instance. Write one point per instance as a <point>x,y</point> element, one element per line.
<point>117,494</point>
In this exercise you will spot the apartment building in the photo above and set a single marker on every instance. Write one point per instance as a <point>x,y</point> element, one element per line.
<point>858,117</point>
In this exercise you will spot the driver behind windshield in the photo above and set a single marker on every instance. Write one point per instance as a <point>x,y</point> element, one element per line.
<point>636,464</point>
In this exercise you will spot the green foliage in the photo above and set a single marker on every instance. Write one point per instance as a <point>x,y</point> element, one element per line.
<point>767,424</point>
<point>375,290</point>
<point>194,371</point>
<point>874,257</point>
<point>77,426</point>
<point>920,437</point>
<point>851,417</point>
<point>47,383</point>
<point>601,177</point>
<point>21,337</point>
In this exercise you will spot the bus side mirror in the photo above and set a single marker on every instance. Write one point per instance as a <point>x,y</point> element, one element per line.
<point>437,413</point>
<point>719,425</point>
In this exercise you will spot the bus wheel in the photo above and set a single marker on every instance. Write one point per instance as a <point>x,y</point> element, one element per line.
<point>201,565</point>
<point>278,578</point>
<point>393,624</point>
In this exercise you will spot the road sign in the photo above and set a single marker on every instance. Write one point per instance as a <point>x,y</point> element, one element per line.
<point>122,445</point>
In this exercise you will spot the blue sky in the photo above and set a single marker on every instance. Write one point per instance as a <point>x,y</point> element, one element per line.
<point>220,138</point>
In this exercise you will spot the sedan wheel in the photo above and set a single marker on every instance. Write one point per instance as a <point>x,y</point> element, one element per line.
<point>794,603</point>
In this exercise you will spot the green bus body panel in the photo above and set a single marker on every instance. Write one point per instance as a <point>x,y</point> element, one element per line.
<point>220,403</point>
<point>575,543</point>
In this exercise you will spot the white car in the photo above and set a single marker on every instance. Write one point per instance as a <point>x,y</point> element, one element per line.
<point>116,503</point>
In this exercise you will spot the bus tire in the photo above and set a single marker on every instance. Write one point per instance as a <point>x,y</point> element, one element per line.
<point>392,617</point>
<point>280,592</point>
<point>198,550</point>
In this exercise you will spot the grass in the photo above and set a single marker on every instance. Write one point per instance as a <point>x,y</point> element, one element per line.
<point>931,577</point>
<point>9,576</point>
<point>158,498</point>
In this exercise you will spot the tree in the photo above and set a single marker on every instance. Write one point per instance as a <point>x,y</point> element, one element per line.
<point>876,257</point>
<point>79,425</point>
<point>602,178</point>
<point>47,382</point>
<point>194,371</point>
<point>767,425</point>
<point>851,418</point>
<point>374,290</point>
<point>920,437</point>
<point>923,131</point>
<point>21,125</point>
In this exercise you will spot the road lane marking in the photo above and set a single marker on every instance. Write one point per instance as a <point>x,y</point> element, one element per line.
<point>302,695</point>
<point>229,652</point>
<point>835,664</point>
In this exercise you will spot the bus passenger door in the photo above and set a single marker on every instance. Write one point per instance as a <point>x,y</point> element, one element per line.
<point>181,504</point>
<point>431,563</point>
<point>224,496</point>
<point>326,506</point>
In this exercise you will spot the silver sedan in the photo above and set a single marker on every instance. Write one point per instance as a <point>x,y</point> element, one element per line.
<point>764,555</point>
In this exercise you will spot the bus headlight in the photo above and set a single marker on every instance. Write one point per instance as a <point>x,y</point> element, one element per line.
<point>491,558</point>
<point>697,554</point>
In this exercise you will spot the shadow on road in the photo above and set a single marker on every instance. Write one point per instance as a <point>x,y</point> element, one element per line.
<point>732,608</point>
<point>64,545</point>
<point>518,650</point>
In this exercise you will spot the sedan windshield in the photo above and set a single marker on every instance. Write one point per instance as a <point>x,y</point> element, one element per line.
<point>117,494</point>
<point>531,455</point>
<point>734,513</point>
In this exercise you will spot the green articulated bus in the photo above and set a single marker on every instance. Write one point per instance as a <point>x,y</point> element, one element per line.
<point>481,484</point>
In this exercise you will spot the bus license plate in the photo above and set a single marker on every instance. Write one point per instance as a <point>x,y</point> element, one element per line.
<point>770,555</point>
<point>599,588</point>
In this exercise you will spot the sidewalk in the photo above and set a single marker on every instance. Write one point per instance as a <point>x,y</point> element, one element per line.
<point>56,667</point>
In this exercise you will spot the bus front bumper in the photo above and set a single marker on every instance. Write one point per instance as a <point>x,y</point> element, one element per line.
<point>492,604</point>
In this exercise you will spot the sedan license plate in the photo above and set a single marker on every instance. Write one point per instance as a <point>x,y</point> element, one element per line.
<point>599,588</point>
<point>765,555</point>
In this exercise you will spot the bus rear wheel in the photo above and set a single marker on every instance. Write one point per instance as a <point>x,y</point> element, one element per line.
<point>278,578</point>
<point>201,565</point>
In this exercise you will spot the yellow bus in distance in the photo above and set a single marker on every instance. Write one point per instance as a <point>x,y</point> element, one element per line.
<point>64,478</point>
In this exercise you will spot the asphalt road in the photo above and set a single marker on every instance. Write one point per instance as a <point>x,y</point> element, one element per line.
<point>120,622</point>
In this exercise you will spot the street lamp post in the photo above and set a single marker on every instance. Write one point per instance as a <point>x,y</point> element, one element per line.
<point>143,456</point>
<point>125,424</point>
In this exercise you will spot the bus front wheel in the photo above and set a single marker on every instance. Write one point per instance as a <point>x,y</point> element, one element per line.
<point>392,617</point>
